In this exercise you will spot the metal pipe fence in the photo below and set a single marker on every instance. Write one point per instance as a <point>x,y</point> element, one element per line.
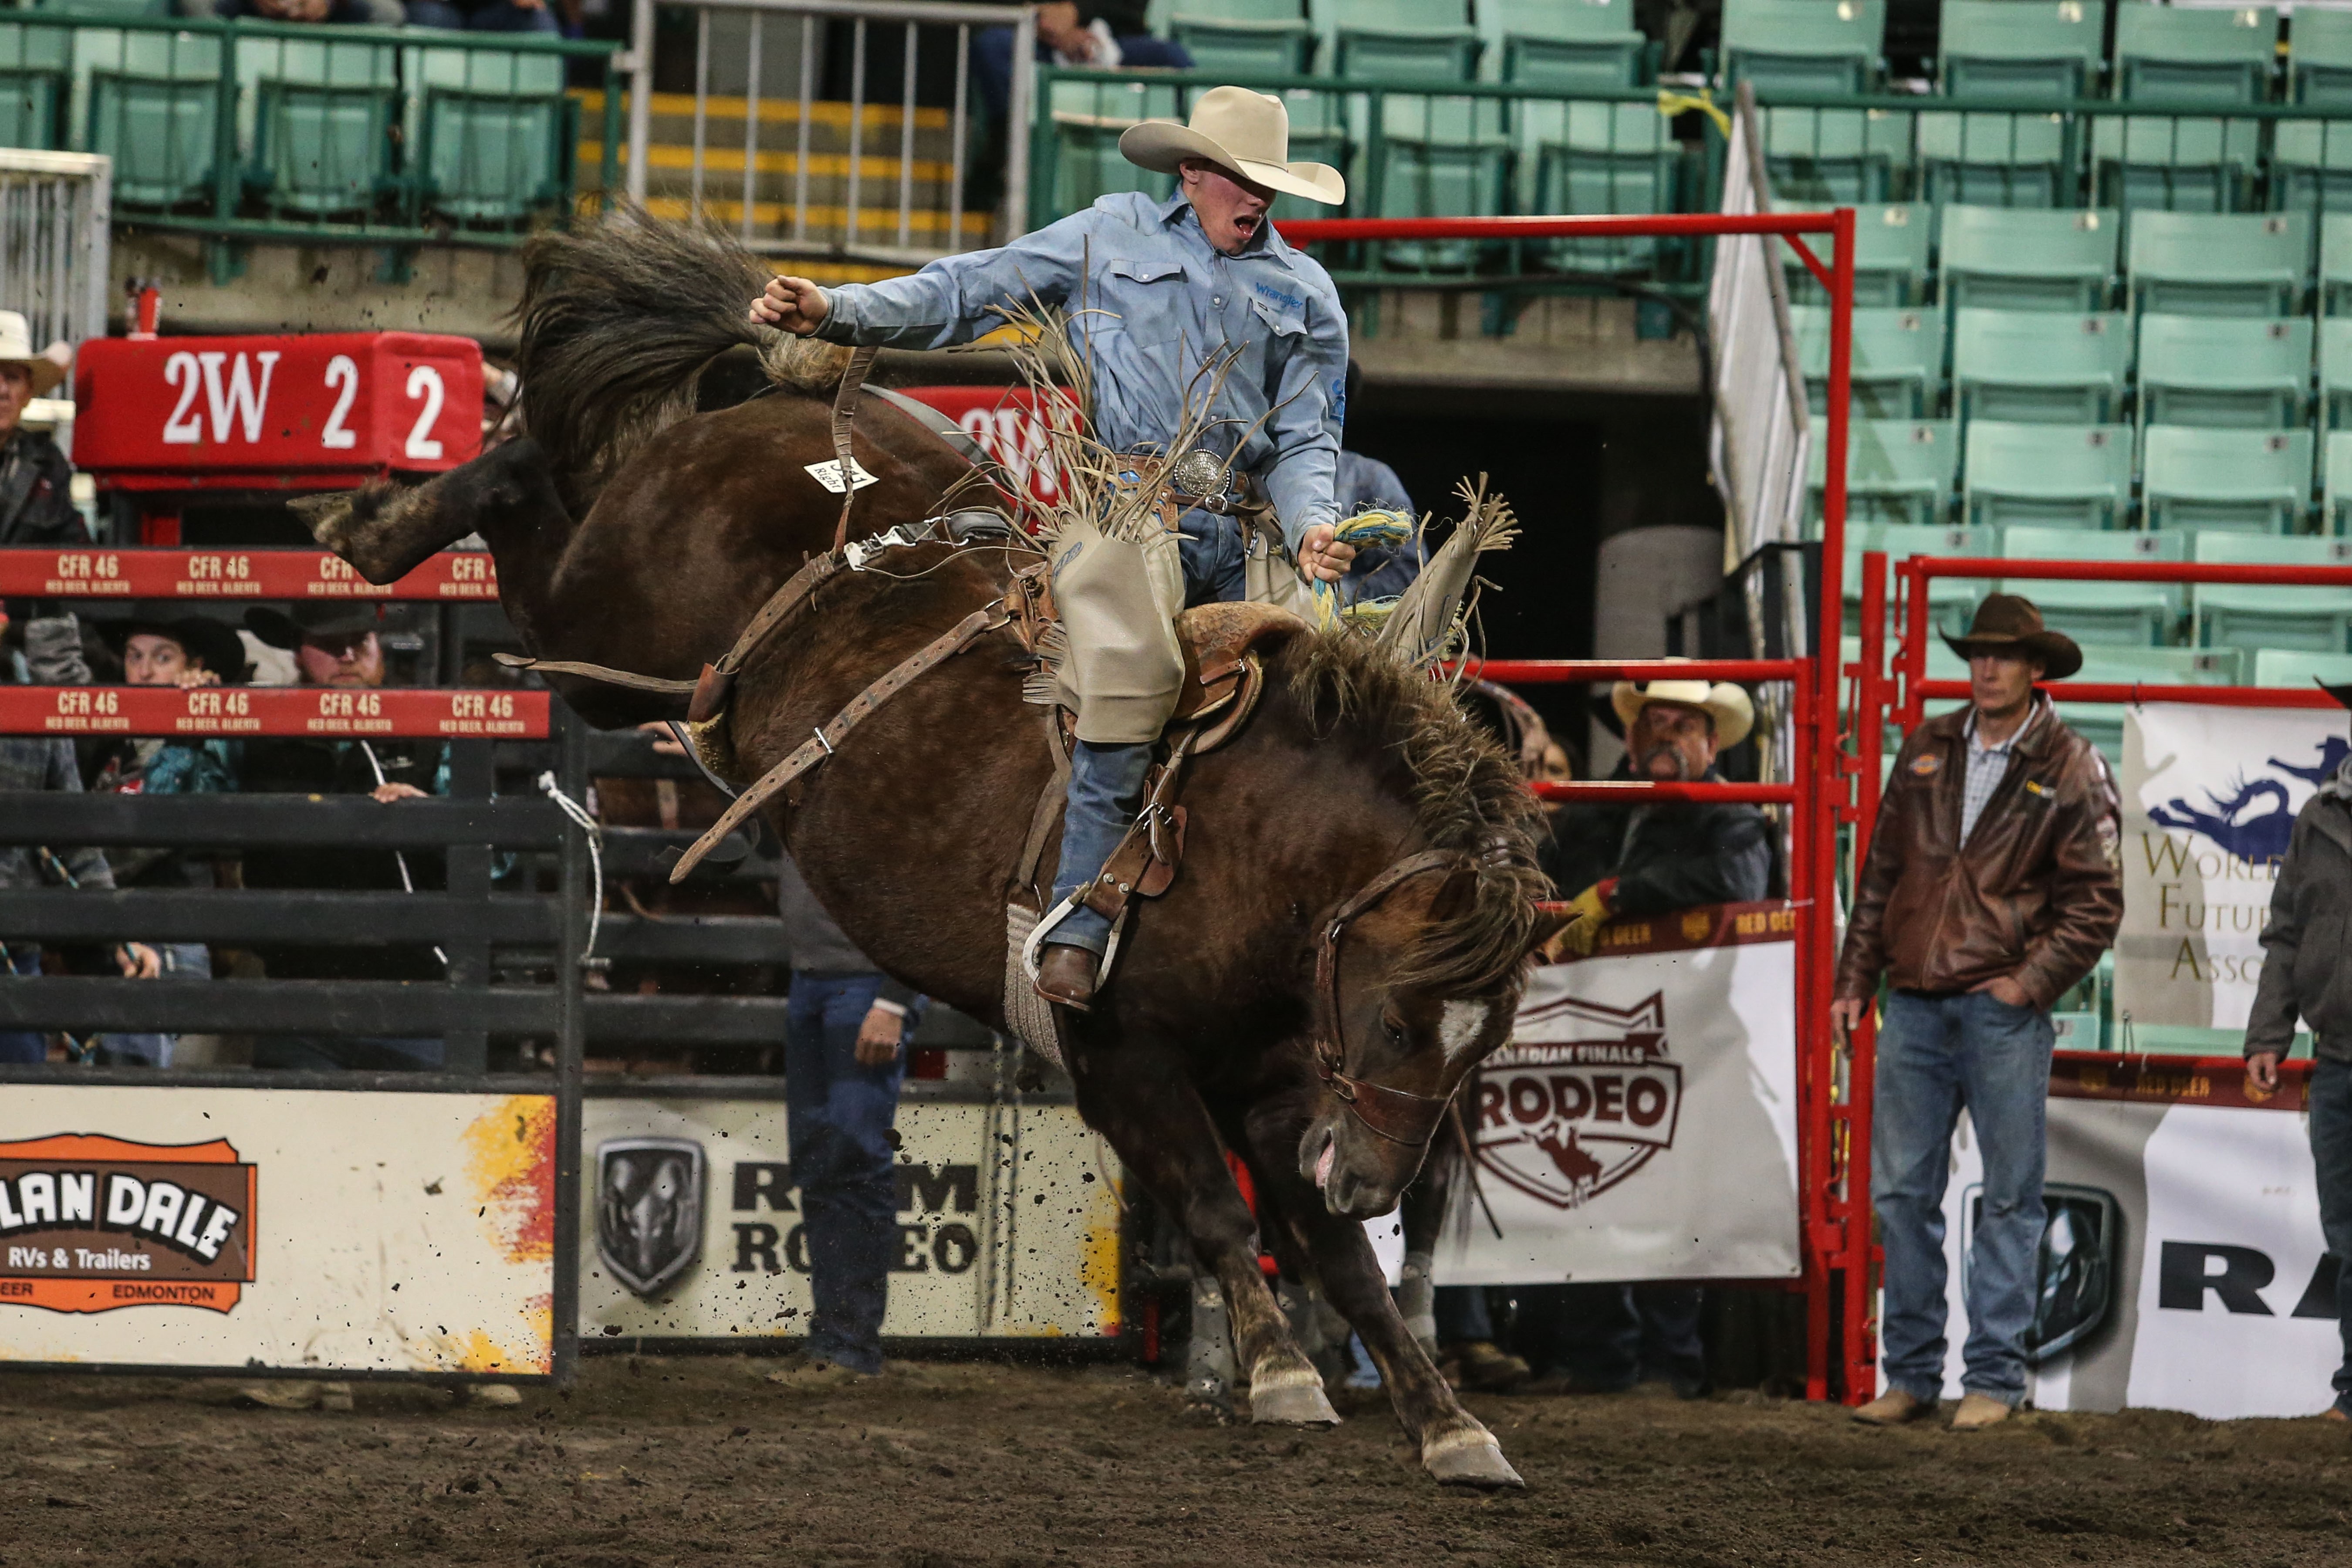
<point>803,180</point>
<point>54,239</point>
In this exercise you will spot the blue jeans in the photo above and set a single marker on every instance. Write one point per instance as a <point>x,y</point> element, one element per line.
<point>1462,1315</point>
<point>181,961</point>
<point>500,16</point>
<point>1107,780</point>
<point>2331,1154</point>
<point>1936,1055</point>
<point>837,1116</point>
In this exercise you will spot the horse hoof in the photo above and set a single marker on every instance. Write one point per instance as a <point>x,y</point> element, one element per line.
<point>1294,1399</point>
<point>1469,1459</point>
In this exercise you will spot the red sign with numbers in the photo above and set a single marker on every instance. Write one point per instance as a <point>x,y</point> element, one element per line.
<point>303,412</point>
<point>98,573</point>
<point>168,711</point>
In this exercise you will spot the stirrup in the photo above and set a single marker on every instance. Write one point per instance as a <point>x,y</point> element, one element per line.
<point>1043,931</point>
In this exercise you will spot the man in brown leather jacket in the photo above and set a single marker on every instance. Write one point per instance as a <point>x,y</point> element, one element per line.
<point>1991,886</point>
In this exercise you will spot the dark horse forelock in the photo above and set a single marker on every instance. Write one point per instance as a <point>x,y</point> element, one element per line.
<point>1466,795</point>
<point>618,322</point>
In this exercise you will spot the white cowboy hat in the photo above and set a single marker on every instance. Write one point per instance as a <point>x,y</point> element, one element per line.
<point>1728,705</point>
<point>46,369</point>
<point>1243,132</point>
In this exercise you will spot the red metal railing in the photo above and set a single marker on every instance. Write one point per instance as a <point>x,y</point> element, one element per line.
<point>1834,1168</point>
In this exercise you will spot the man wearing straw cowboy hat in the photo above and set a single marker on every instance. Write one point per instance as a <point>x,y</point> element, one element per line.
<point>1153,289</point>
<point>1991,886</point>
<point>35,481</point>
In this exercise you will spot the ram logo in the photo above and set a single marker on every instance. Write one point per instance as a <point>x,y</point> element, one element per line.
<point>649,1210</point>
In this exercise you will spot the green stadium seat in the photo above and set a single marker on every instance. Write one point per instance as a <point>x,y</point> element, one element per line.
<point>2246,374</point>
<point>1572,48</point>
<point>1841,157</point>
<point>1136,98</point>
<point>321,116</point>
<point>2245,481</point>
<point>2000,259</point>
<point>2293,667</point>
<point>2123,614</point>
<point>2018,160</point>
<point>2336,485</point>
<point>150,100</point>
<point>1990,48</point>
<point>1898,359</point>
<point>1237,37</point>
<point>1087,164</point>
<point>1890,258</point>
<point>1951,599</point>
<point>1804,45</point>
<point>1439,156</point>
<point>2185,164</point>
<point>1397,41</point>
<point>1898,472</point>
<point>2046,476</point>
<point>2218,264</point>
<point>2110,664</point>
<point>2183,54</point>
<point>2311,165</point>
<point>2319,57</point>
<point>2036,367</point>
<point>1596,158</point>
<point>2335,263</point>
<point>2335,374</point>
<point>106,10</point>
<point>2266,616</point>
<point>36,72</point>
<point>497,130</point>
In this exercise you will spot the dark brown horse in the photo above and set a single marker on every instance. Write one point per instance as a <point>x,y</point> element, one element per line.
<point>631,532</point>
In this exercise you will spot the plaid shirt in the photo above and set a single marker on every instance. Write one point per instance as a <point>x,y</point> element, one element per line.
<point>44,762</point>
<point>1987,765</point>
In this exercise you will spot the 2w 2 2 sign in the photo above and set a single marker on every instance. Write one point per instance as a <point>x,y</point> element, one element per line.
<point>264,411</point>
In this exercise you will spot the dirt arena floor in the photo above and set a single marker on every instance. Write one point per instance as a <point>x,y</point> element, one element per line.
<point>700,1461</point>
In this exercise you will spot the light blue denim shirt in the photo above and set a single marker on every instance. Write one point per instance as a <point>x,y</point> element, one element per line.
<point>1149,296</point>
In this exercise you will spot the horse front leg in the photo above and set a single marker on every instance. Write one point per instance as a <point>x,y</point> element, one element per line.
<point>1137,1095</point>
<point>1456,1446</point>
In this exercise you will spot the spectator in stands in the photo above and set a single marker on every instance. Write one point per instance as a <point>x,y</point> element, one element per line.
<point>496,16</point>
<point>338,646</point>
<point>47,762</point>
<point>372,13</point>
<point>845,1031</point>
<point>1991,886</point>
<point>1099,35</point>
<point>1363,484</point>
<point>1640,861</point>
<point>35,481</point>
<point>2304,977</point>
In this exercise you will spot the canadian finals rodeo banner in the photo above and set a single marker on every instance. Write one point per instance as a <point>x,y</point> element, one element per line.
<point>1641,1122</point>
<point>2209,797</point>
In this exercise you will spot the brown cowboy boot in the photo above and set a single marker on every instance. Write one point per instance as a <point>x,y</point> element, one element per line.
<point>1066,976</point>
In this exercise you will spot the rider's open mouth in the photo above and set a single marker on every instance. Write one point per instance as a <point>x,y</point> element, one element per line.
<point>1245,227</point>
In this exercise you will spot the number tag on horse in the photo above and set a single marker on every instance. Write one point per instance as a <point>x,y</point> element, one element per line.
<point>828,474</point>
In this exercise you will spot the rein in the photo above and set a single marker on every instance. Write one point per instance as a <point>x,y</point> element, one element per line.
<point>1398,1115</point>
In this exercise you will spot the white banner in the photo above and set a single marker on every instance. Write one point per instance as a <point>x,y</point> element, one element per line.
<point>2212,1291</point>
<point>2210,798</point>
<point>326,1229</point>
<point>1641,1122</point>
<point>690,1222</point>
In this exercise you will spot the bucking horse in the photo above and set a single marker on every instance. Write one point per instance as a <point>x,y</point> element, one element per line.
<point>1349,930</point>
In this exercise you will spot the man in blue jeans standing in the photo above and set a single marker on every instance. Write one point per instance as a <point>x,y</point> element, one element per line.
<point>1990,888</point>
<point>845,1026</point>
<point>2306,978</point>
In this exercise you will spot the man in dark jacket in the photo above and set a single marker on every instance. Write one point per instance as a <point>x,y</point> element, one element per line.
<point>35,481</point>
<point>1632,862</point>
<point>2303,976</point>
<point>1990,888</point>
<point>845,1026</point>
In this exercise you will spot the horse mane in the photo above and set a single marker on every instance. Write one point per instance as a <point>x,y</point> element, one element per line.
<point>1466,796</point>
<point>618,320</point>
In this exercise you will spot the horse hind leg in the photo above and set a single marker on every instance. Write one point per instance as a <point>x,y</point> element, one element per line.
<point>1456,1446</point>
<point>388,531</point>
<point>1139,1097</point>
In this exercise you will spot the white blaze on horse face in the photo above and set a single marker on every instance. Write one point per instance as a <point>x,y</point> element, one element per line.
<point>1462,1024</point>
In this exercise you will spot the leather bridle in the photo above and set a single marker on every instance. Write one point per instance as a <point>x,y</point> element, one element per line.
<point>1398,1115</point>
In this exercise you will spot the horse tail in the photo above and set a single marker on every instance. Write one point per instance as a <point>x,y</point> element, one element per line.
<point>618,320</point>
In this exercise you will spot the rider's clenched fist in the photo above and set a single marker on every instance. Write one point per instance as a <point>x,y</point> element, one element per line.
<point>793,304</point>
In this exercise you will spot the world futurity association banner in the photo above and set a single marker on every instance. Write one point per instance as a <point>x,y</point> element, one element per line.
<point>2210,798</point>
<point>1641,1122</point>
